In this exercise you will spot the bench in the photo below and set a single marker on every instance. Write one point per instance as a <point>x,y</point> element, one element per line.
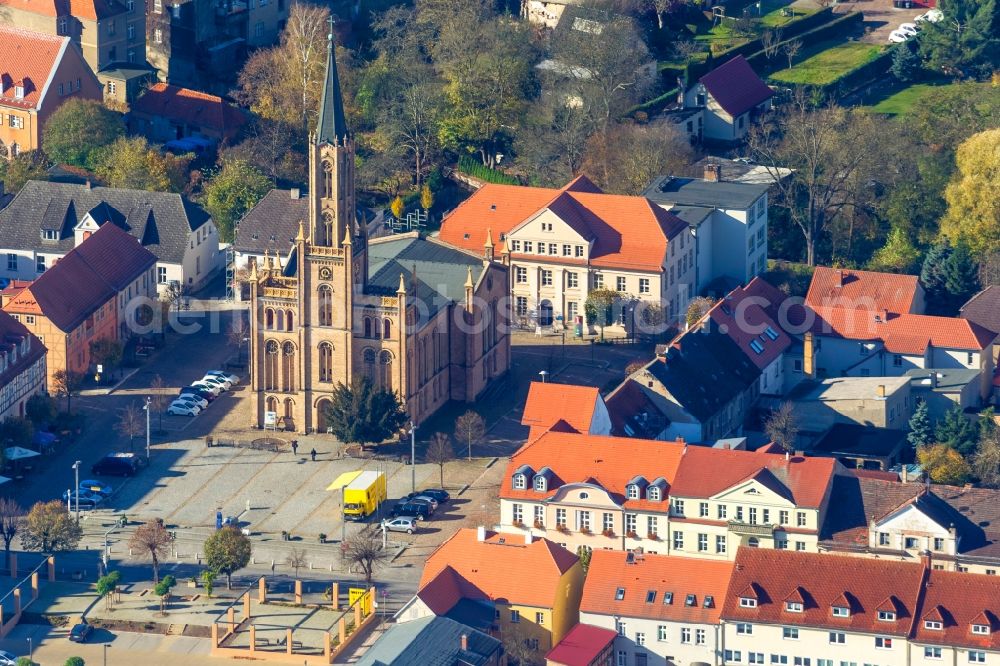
<point>262,641</point>
<point>295,644</point>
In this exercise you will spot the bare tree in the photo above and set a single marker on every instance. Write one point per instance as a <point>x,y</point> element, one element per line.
<point>11,520</point>
<point>131,423</point>
<point>159,399</point>
<point>791,49</point>
<point>470,427</point>
<point>985,462</point>
<point>304,39</point>
<point>770,41</point>
<point>66,383</point>
<point>364,550</point>
<point>439,452</point>
<point>296,559</point>
<point>782,426</point>
<point>237,335</point>
<point>627,157</point>
<point>151,539</point>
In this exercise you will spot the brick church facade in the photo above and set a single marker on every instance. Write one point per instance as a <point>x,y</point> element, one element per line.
<point>418,316</point>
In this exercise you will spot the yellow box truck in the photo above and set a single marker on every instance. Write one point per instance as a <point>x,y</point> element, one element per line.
<point>363,495</point>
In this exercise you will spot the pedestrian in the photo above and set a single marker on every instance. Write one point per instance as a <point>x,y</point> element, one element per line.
<point>313,454</point>
<point>295,447</point>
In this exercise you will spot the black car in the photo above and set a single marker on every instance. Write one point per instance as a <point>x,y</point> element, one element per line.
<point>116,464</point>
<point>418,510</point>
<point>79,632</point>
<point>440,495</point>
<point>200,392</point>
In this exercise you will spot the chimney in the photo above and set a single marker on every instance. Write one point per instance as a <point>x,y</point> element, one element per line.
<point>87,184</point>
<point>808,355</point>
<point>295,193</point>
<point>788,456</point>
<point>527,538</point>
<point>465,643</point>
<point>680,440</point>
<point>925,559</point>
<point>841,278</point>
<point>904,474</point>
<point>880,391</point>
<point>481,533</point>
<point>713,172</point>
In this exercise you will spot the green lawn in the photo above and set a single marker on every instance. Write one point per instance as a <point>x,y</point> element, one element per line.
<point>827,62</point>
<point>899,99</point>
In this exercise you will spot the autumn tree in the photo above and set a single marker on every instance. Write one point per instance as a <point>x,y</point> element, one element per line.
<point>131,423</point>
<point>973,213</point>
<point>66,383</point>
<point>697,308</point>
<point>107,353</point>
<point>152,539</point>
<point>943,464</point>
<point>232,191</point>
<point>48,527</point>
<point>782,426</point>
<point>132,163</point>
<point>986,460</point>
<point>226,552</point>
<point>626,158</point>
<point>598,307</point>
<point>898,255</point>
<point>11,520</point>
<point>364,551</point>
<point>25,166</point>
<point>440,452</point>
<point>470,428</point>
<point>78,128</point>
<point>553,141</point>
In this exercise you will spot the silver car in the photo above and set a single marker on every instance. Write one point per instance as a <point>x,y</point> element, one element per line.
<point>400,524</point>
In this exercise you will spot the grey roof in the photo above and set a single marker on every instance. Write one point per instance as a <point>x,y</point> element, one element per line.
<point>696,192</point>
<point>441,270</point>
<point>125,71</point>
<point>949,380</point>
<point>272,224</point>
<point>332,125</point>
<point>430,641</point>
<point>160,220</point>
<point>693,215</point>
<point>984,309</point>
<point>852,438</point>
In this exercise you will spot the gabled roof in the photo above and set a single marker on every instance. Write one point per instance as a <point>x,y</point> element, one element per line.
<point>901,333</point>
<point>272,224</point>
<point>85,279</point>
<point>581,646</point>
<point>736,87</point>
<point>486,567</point>
<point>625,231</point>
<point>984,309</point>
<point>633,413</point>
<point>958,600</point>
<point>610,462</point>
<point>704,472</point>
<point>823,579</point>
<point>642,575</point>
<point>28,59</point>
<point>190,107</point>
<point>549,403</point>
<point>430,641</point>
<point>865,290</point>
<point>89,10</point>
<point>61,206</point>
<point>749,324</point>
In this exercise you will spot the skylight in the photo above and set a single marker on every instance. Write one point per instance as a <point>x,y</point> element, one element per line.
<point>619,594</point>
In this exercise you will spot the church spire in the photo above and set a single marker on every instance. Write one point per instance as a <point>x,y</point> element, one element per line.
<point>332,125</point>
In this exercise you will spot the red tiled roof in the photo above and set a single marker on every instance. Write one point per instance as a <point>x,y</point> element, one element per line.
<point>610,570</point>
<point>12,332</point>
<point>446,589</point>
<point>865,290</point>
<point>191,107</point>
<point>824,579</point>
<point>958,600</point>
<point>704,472</point>
<point>487,566</point>
<point>85,278</point>
<point>549,403</point>
<point>609,462</point>
<point>627,232</point>
<point>736,87</point>
<point>901,333</point>
<point>581,645</point>
<point>746,319</point>
<point>83,9</point>
<point>28,58</point>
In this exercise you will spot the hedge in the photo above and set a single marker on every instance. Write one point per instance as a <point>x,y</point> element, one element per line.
<point>657,103</point>
<point>793,29</point>
<point>762,64</point>
<point>859,76</point>
<point>471,167</point>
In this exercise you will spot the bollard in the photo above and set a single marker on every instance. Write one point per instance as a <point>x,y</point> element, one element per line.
<point>253,638</point>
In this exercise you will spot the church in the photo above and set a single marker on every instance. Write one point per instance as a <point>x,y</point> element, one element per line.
<point>415,315</point>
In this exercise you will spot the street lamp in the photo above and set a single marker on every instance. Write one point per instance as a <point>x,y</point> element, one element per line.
<point>543,374</point>
<point>106,646</point>
<point>149,400</point>
<point>76,472</point>
<point>31,651</point>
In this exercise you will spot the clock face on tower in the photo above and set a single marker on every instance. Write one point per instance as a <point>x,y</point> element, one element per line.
<point>325,273</point>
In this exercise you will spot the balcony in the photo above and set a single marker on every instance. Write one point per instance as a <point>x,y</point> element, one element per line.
<point>746,529</point>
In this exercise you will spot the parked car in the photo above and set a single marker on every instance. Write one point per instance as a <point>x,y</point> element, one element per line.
<point>232,379</point>
<point>200,391</point>
<point>87,500</point>
<point>96,487</point>
<point>931,16</point>
<point>7,659</point>
<point>217,381</point>
<point>214,389</point>
<point>897,37</point>
<point>418,510</point>
<point>116,464</point>
<point>196,399</point>
<point>421,497</point>
<point>439,494</point>
<point>80,632</point>
<point>183,408</point>
<point>908,29</point>
<point>400,524</point>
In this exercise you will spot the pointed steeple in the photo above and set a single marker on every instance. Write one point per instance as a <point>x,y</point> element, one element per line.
<point>332,125</point>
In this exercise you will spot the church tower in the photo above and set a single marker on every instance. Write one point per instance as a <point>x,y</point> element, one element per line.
<point>331,165</point>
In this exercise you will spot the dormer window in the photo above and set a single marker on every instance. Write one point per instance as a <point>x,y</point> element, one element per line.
<point>793,606</point>
<point>981,629</point>
<point>19,91</point>
<point>886,616</point>
<point>841,611</point>
<point>540,483</point>
<point>653,494</point>
<point>933,625</point>
<point>520,482</point>
<point>50,235</point>
<point>748,602</point>
<point>632,491</point>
